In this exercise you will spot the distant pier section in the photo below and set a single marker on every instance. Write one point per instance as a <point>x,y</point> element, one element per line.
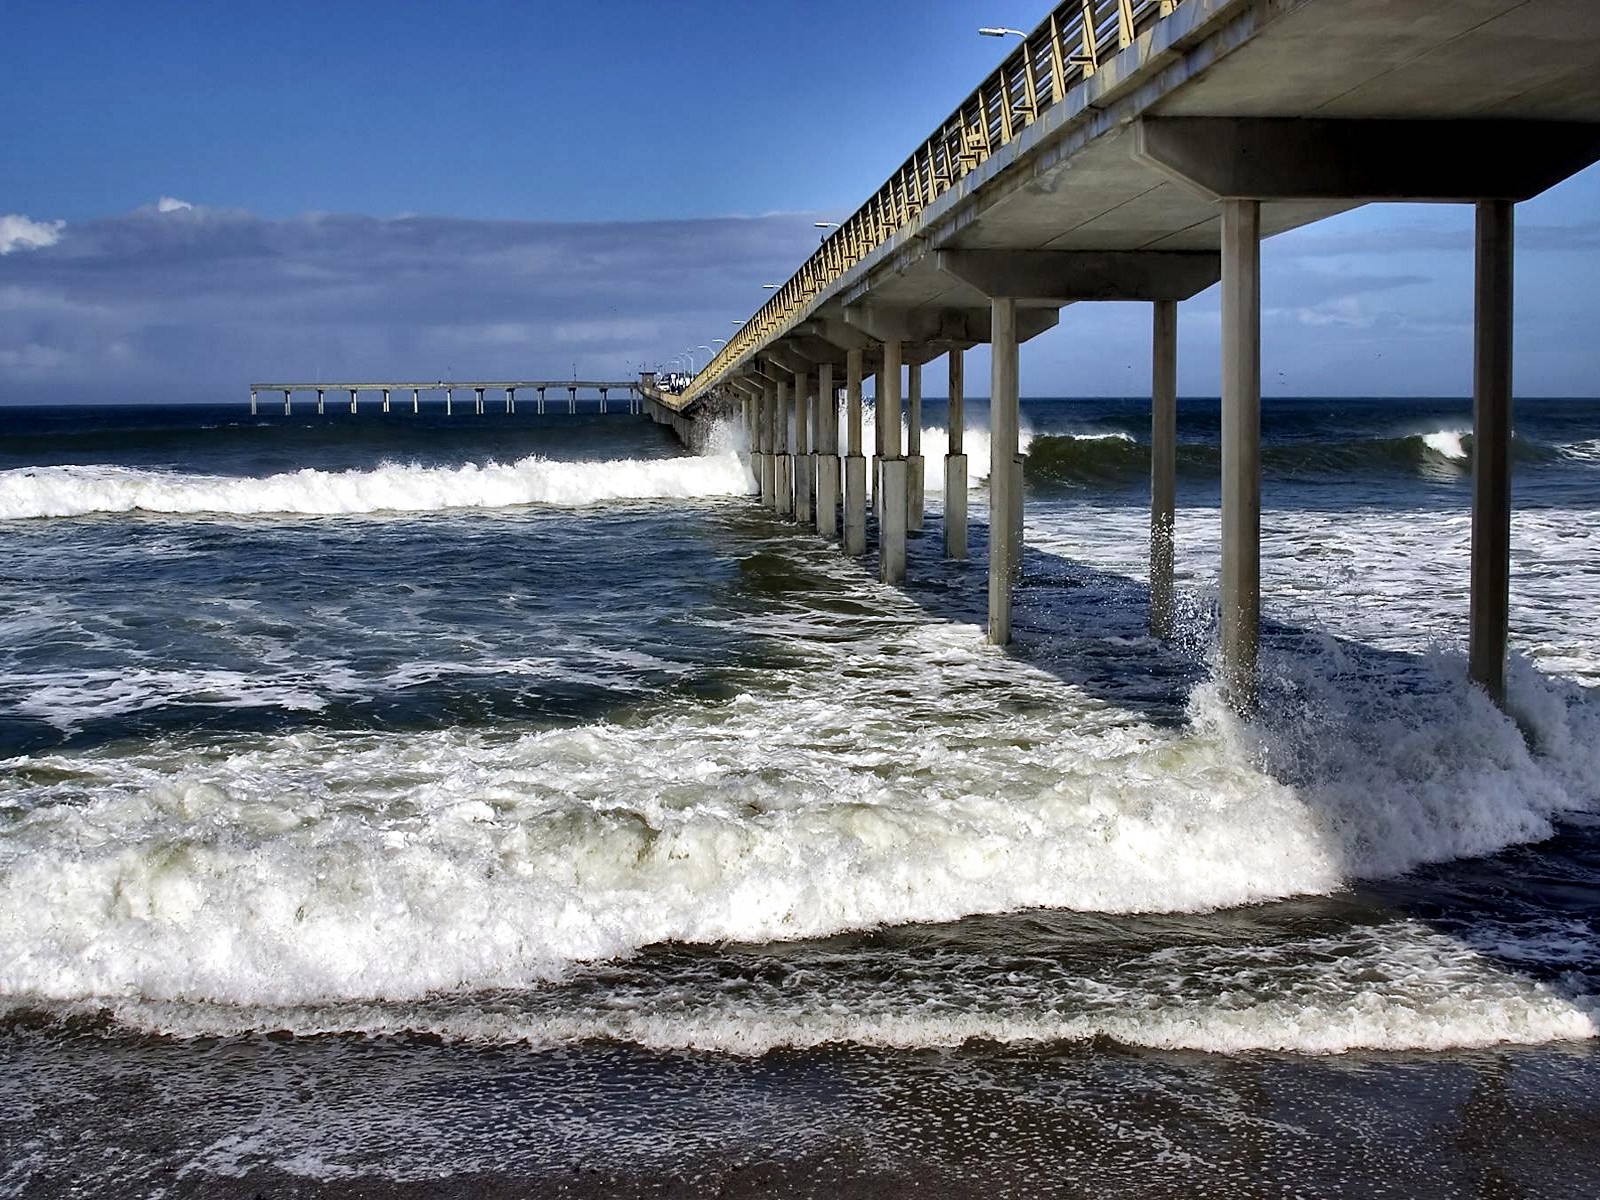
<point>630,393</point>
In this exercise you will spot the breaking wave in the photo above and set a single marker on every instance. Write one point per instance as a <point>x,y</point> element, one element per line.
<point>74,491</point>
<point>320,883</point>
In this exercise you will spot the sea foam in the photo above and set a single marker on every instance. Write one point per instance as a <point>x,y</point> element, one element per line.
<point>334,876</point>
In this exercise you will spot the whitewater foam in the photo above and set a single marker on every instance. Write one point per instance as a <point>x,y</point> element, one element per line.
<point>72,491</point>
<point>1447,443</point>
<point>321,867</point>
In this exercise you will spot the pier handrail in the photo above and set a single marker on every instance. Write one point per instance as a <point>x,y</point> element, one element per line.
<point>434,385</point>
<point>1067,47</point>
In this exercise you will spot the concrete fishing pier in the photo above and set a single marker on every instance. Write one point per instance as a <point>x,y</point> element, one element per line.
<point>631,390</point>
<point>1140,150</point>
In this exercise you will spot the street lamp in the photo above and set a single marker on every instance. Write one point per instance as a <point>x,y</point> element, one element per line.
<point>771,287</point>
<point>1001,31</point>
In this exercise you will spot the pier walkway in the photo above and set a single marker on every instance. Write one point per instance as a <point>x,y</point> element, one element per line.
<point>1140,150</point>
<point>631,389</point>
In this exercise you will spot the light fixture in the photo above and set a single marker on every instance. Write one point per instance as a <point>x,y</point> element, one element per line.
<point>1001,31</point>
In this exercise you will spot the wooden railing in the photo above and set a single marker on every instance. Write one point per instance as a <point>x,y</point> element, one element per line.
<point>1067,47</point>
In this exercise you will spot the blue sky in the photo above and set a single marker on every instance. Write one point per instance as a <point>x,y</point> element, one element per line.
<point>504,188</point>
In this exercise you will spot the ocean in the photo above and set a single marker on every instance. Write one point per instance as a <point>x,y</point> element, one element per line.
<point>402,806</point>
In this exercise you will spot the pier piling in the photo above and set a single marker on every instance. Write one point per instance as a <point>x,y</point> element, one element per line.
<point>784,475</point>
<point>1163,461</point>
<point>855,462</point>
<point>915,479</point>
<point>801,459</point>
<point>955,461</point>
<point>1003,421</point>
<point>827,458</point>
<point>1240,598</point>
<point>892,514</point>
<point>1490,602</point>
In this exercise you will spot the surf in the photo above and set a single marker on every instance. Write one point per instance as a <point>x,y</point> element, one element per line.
<point>77,491</point>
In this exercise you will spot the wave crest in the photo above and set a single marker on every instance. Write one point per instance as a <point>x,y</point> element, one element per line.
<point>75,491</point>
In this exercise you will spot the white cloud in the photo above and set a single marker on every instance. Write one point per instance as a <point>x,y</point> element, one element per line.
<point>19,233</point>
<point>168,204</point>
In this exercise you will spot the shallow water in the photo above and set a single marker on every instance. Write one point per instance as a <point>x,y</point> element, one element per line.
<point>527,759</point>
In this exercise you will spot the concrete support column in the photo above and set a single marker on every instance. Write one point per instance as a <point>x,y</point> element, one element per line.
<point>783,448</point>
<point>827,458</point>
<point>1241,450</point>
<point>449,402</point>
<point>320,409</point>
<point>288,405</point>
<point>804,465</point>
<point>416,402</point>
<point>352,401</point>
<point>1163,461</point>
<point>916,481</point>
<point>1003,421</point>
<point>855,461</point>
<point>747,411</point>
<point>892,513</point>
<point>877,444</point>
<point>955,462</point>
<point>1490,605</point>
<point>253,410</point>
<point>511,400</point>
<point>769,442</point>
<point>385,399</point>
<point>477,401</point>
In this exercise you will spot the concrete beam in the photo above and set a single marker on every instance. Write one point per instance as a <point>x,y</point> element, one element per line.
<point>937,330</point>
<point>1294,158</point>
<point>1063,276</point>
<point>911,325</point>
<point>786,358</point>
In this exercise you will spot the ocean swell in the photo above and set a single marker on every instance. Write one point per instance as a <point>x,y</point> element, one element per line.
<point>1117,459</point>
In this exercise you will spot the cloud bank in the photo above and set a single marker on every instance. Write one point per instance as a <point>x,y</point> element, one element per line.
<point>181,302</point>
<point>176,301</point>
